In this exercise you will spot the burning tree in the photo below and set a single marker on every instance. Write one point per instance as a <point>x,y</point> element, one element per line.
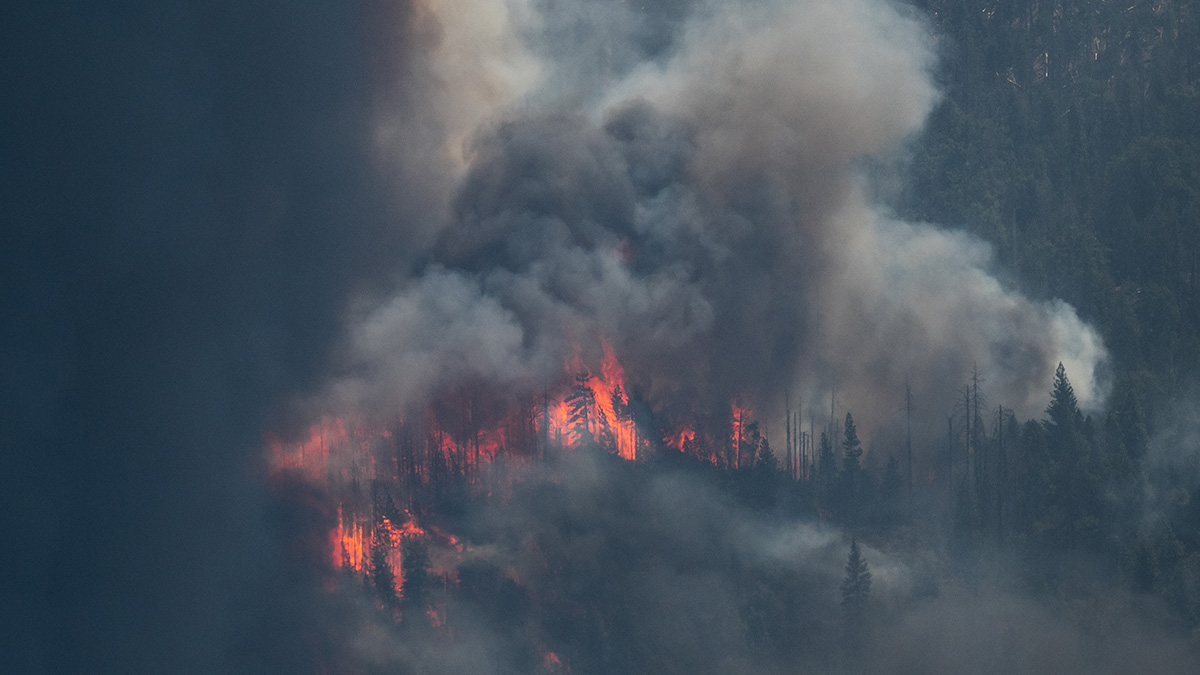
<point>589,422</point>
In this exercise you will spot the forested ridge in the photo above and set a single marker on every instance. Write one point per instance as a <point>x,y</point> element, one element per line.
<point>290,288</point>
<point>1068,137</point>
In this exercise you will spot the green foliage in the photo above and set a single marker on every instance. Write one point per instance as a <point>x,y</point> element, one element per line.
<point>1068,139</point>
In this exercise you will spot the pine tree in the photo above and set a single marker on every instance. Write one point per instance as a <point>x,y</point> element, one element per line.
<point>852,477</point>
<point>589,423</point>
<point>856,586</point>
<point>382,578</point>
<point>580,402</point>
<point>765,458</point>
<point>1066,503</point>
<point>827,473</point>
<point>414,567</point>
<point>856,591</point>
<point>1064,407</point>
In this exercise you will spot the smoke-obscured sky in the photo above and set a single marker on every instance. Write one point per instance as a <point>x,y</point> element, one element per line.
<point>211,210</point>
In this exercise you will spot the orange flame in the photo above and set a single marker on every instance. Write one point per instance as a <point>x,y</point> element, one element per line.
<point>552,663</point>
<point>459,437</point>
<point>352,542</point>
<point>740,416</point>
<point>684,438</point>
<point>609,390</point>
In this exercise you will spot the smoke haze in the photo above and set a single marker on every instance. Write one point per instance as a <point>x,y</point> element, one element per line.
<point>210,211</point>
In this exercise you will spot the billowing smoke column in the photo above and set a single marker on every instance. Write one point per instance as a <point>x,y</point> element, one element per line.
<point>189,200</point>
<point>681,181</point>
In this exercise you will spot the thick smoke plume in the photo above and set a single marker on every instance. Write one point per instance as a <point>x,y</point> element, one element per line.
<point>192,193</point>
<point>682,183</point>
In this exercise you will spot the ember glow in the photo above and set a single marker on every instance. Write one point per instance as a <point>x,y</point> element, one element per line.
<point>455,439</point>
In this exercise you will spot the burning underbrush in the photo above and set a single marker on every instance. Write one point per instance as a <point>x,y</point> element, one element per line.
<point>569,558</point>
<point>471,444</point>
<point>561,559</point>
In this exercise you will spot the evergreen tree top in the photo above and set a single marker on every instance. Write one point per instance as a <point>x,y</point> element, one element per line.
<point>850,441</point>
<point>1064,407</point>
<point>856,587</point>
<point>826,446</point>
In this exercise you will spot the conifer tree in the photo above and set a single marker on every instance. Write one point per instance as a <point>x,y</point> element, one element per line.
<point>856,591</point>
<point>765,458</point>
<point>589,423</point>
<point>852,478</point>
<point>414,566</point>
<point>827,473</point>
<point>856,586</point>
<point>382,578</point>
<point>581,404</point>
<point>1064,407</point>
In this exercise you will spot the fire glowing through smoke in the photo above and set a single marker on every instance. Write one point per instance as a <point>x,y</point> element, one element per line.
<point>585,409</point>
<point>697,213</point>
<point>598,403</point>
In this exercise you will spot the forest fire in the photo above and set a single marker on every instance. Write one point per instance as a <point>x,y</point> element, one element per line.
<point>460,438</point>
<point>353,542</point>
<point>462,431</point>
<point>595,408</point>
<point>740,418</point>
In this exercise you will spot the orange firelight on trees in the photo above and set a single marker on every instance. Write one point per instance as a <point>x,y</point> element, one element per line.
<point>460,436</point>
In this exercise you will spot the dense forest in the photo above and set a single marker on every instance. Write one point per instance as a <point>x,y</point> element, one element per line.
<point>1069,139</point>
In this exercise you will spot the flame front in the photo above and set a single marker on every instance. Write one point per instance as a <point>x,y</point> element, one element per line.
<point>460,438</point>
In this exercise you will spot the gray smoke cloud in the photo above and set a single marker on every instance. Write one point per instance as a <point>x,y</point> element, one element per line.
<point>682,182</point>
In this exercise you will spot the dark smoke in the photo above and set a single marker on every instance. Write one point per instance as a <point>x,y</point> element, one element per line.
<point>694,200</point>
<point>193,197</point>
